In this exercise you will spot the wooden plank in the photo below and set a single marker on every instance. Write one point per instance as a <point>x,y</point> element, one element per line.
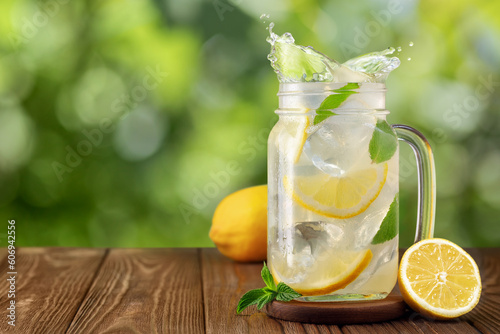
<point>144,291</point>
<point>297,327</point>
<point>224,282</point>
<point>383,327</point>
<point>402,325</point>
<point>486,315</point>
<point>413,322</point>
<point>453,326</point>
<point>50,285</point>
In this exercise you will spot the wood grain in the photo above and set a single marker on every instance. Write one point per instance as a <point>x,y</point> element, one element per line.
<point>144,291</point>
<point>50,285</point>
<point>3,255</point>
<point>383,327</point>
<point>224,282</point>
<point>486,315</point>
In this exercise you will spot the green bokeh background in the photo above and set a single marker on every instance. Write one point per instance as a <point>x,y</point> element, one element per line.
<point>155,177</point>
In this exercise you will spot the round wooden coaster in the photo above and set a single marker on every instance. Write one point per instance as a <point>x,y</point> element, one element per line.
<point>339,313</point>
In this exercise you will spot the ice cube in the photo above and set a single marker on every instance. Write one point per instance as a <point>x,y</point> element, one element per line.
<point>340,143</point>
<point>368,226</point>
<point>372,98</point>
<point>319,236</point>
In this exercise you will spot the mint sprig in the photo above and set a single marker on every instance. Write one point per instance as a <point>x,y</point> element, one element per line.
<point>270,292</point>
<point>389,227</point>
<point>384,142</point>
<point>334,101</point>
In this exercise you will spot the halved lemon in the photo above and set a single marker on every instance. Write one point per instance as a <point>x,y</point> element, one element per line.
<point>338,197</point>
<point>323,279</point>
<point>439,279</point>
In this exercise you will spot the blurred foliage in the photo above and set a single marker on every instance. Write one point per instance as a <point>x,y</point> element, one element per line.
<point>152,155</point>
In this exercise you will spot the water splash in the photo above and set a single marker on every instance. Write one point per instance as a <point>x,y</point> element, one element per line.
<point>377,64</point>
<point>297,63</point>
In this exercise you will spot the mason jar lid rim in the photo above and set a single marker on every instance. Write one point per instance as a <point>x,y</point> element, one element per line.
<point>313,88</point>
<point>349,111</point>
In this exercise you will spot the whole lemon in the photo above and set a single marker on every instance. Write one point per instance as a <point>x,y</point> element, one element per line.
<point>239,225</point>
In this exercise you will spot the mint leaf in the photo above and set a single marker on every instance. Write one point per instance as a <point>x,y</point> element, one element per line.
<point>390,225</point>
<point>252,297</point>
<point>266,299</point>
<point>286,293</point>
<point>268,278</point>
<point>334,101</point>
<point>321,115</point>
<point>384,142</point>
<point>349,86</point>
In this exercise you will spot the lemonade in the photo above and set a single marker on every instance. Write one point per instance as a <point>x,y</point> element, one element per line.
<point>332,175</point>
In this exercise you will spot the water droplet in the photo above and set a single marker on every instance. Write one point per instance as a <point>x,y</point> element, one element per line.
<point>410,44</point>
<point>399,49</point>
<point>263,17</point>
<point>409,59</point>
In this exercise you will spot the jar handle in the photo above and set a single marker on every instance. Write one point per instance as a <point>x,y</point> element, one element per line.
<point>426,179</point>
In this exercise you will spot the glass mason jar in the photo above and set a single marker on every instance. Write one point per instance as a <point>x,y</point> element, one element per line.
<point>333,185</point>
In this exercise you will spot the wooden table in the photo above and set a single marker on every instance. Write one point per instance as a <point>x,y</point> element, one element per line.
<point>83,290</point>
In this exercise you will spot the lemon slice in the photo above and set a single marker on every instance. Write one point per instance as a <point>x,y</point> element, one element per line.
<point>293,136</point>
<point>302,136</point>
<point>338,197</point>
<point>439,279</point>
<point>322,279</point>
